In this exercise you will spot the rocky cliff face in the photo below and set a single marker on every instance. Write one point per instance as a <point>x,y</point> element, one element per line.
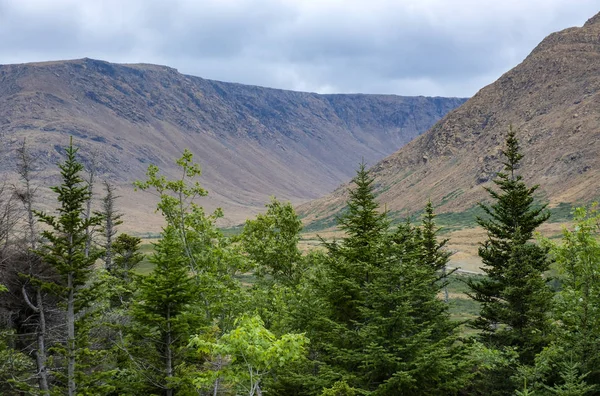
<point>552,99</point>
<point>252,142</point>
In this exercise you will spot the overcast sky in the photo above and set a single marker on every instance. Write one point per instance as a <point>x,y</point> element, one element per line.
<point>406,47</point>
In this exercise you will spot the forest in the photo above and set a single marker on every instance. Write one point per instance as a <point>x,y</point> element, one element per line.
<point>253,314</point>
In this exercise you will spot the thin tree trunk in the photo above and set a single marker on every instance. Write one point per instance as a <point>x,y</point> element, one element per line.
<point>40,353</point>
<point>71,336</point>
<point>169,360</point>
<point>41,344</point>
<point>218,380</point>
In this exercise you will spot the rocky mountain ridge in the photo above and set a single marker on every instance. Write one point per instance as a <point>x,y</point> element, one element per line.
<point>252,142</point>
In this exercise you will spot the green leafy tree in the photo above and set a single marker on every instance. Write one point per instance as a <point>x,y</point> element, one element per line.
<point>15,367</point>
<point>126,255</point>
<point>65,249</point>
<point>271,241</point>
<point>213,259</point>
<point>578,302</point>
<point>242,358</point>
<point>515,298</point>
<point>200,267</point>
<point>571,363</point>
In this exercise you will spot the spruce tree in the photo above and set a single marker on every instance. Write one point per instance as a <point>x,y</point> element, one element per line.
<point>164,318</point>
<point>65,249</point>
<point>378,324</point>
<point>514,297</point>
<point>435,256</point>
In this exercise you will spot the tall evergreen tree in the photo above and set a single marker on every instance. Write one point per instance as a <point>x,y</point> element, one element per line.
<point>515,298</point>
<point>378,324</point>
<point>66,250</point>
<point>164,318</point>
<point>111,218</point>
<point>435,256</point>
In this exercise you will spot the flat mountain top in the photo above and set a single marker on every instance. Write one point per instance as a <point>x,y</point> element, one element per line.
<point>252,142</point>
<point>552,99</point>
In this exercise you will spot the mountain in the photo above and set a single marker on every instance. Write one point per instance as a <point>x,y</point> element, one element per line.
<point>252,142</point>
<point>552,99</point>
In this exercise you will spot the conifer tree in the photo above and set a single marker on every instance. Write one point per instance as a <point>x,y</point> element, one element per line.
<point>515,299</point>
<point>66,251</point>
<point>111,218</point>
<point>379,325</point>
<point>434,254</point>
<point>164,318</point>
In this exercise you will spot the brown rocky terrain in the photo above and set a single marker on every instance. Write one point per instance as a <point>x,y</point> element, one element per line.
<point>552,99</point>
<point>252,142</point>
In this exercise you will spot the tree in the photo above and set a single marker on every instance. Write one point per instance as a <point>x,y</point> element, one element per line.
<point>212,258</point>
<point>271,241</point>
<point>246,355</point>
<point>111,218</point>
<point>375,321</point>
<point>66,251</point>
<point>35,270</point>
<point>434,254</point>
<point>515,298</point>
<point>126,256</point>
<point>163,317</point>
<point>199,250</point>
<point>571,363</point>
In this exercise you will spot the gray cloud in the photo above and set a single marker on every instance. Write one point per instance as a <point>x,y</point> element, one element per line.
<point>410,47</point>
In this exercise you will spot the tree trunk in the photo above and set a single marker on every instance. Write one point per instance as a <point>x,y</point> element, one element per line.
<point>40,352</point>
<point>218,380</point>
<point>169,356</point>
<point>71,336</point>
<point>41,346</point>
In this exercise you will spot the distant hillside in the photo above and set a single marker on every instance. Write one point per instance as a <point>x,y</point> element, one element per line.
<point>552,98</point>
<point>252,142</point>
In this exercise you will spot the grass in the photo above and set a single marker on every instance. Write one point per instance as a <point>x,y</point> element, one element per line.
<point>145,267</point>
<point>460,306</point>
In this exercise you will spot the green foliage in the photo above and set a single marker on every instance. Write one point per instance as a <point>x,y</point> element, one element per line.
<point>573,383</point>
<point>271,241</point>
<point>371,308</point>
<point>493,368</point>
<point>65,237</point>
<point>192,286</point>
<point>515,299</point>
<point>575,350</point>
<point>243,357</point>
<point>340,388</point>
<point>127,254</point>
<point>163,316</point>
<point>64,249</point>
<point>15,367</point>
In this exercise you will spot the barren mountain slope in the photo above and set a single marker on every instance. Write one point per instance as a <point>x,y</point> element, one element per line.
<point>553,100</point>
<point>252,142</point>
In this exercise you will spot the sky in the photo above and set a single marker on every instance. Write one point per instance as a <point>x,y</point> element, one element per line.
<point>405,47</point>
